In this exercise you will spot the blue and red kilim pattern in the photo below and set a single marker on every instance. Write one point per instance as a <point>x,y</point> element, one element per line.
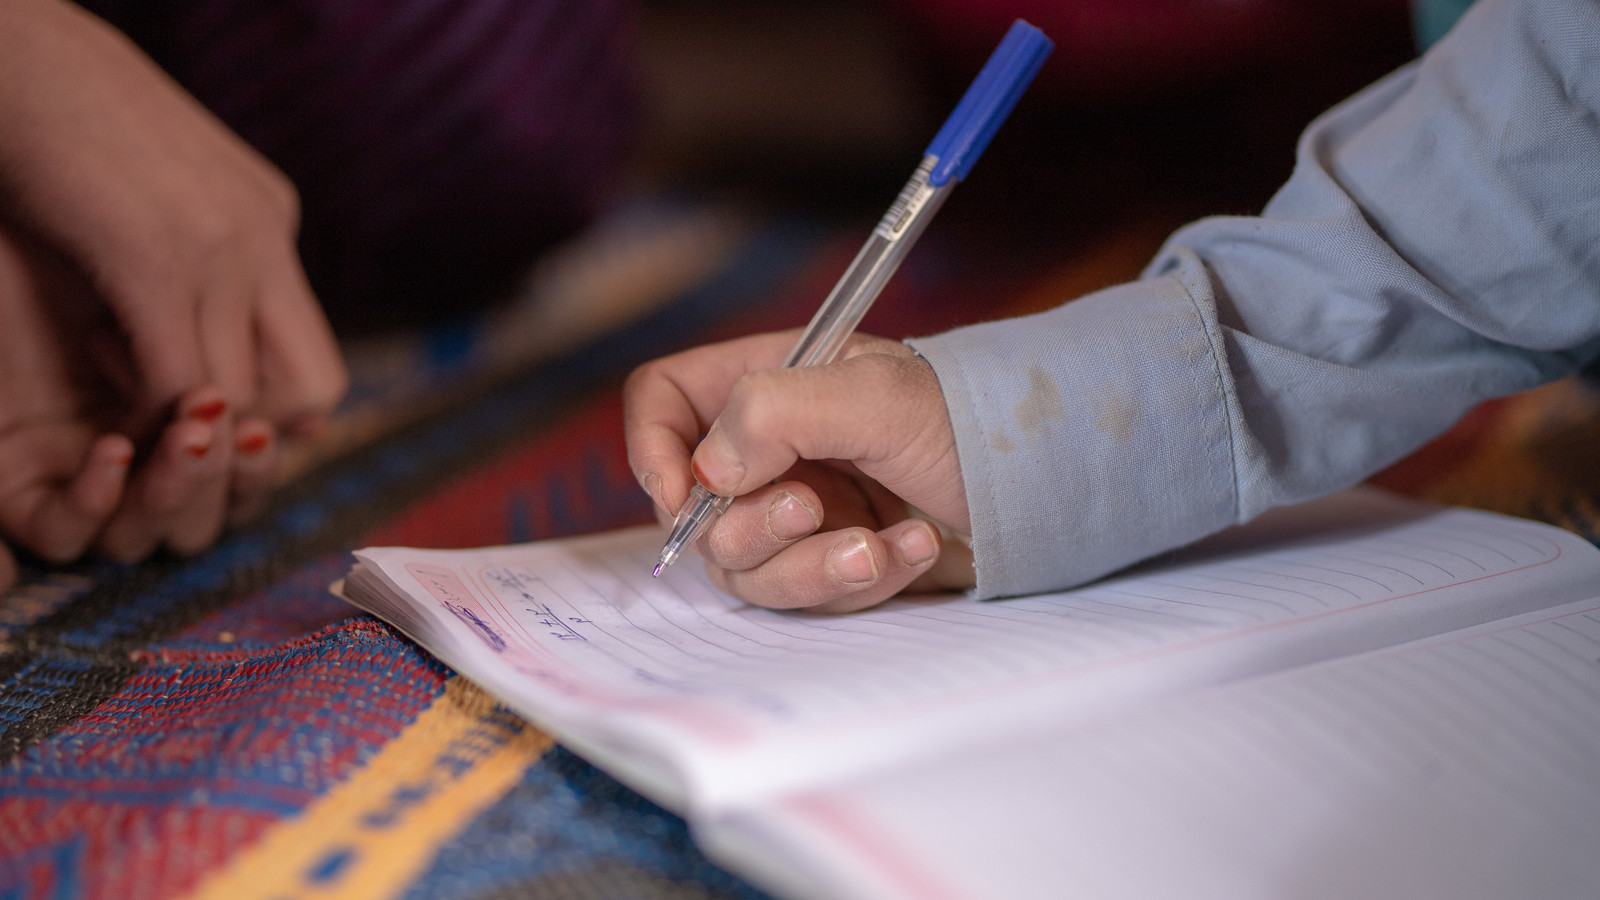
<point>198,754</point>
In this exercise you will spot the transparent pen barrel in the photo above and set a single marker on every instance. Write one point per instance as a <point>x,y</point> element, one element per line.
<point>702,508</point>
<point>698,512</point>
<point>853,295</point>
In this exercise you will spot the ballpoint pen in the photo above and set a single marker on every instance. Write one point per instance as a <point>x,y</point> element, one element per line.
<point>947,160</point>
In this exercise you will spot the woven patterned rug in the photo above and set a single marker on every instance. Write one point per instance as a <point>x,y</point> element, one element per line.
<point>223,727</point>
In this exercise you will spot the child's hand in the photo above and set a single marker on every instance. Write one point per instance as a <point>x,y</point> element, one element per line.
<point>856,443</point>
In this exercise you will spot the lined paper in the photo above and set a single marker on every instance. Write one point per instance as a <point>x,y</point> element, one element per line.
<point>1457,767</point>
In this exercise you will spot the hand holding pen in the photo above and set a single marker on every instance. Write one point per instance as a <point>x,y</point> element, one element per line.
<point>826,463</point>
<point>947,160</point>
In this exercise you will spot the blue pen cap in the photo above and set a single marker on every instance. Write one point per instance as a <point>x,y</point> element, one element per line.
<point>987,102</point>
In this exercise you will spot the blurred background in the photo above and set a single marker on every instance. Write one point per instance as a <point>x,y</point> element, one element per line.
<point>1148,114</point>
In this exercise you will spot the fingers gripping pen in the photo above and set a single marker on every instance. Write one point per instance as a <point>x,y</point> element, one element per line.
<point>946,161</point>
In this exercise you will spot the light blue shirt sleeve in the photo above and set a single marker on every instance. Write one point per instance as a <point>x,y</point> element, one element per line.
<point>1437,245</point>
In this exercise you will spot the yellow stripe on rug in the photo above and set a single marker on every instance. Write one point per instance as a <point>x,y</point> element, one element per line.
<point>370,836</point>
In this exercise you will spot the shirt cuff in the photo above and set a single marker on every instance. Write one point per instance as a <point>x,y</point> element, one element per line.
<point>1087,444</point>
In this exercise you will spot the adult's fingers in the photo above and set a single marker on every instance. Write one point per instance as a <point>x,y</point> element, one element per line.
<point>63,524</point>
<point>198,517</point>
<point>178,496</point>
<point>62,487</point>
<point>227,339</point>
<point>255,456</point>
<point>185,231</point>
<point>302,375</point>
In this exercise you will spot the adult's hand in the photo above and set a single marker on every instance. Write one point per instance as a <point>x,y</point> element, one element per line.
<point>183,231</point>
<point>853,446</point>
<point>67,475</point>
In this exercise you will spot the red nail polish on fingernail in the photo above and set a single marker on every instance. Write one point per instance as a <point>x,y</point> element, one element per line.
<point>209,412</point>
<point>197,451</point>
<point>253,444</point>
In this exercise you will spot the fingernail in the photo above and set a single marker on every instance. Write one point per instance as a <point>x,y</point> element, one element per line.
<point>651,482</point>
<point>917,546</point>
<point>851,561</point>
<point>209,412</point>
<point>715,464</point>
<point>788,518</point>
<point>197,450</point>
<point>250,445</point>
<point>121,458</point>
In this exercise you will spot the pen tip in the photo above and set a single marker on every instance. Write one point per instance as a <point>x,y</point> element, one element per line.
<point>656,572</point>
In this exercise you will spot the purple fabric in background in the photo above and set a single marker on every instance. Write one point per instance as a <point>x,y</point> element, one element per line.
<point>438,145</point>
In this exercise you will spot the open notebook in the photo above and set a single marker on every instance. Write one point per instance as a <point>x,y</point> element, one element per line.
<point>1358,697</point>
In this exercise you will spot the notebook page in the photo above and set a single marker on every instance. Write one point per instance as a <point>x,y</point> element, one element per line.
<point>691,692</point>
<point>1463,767</point>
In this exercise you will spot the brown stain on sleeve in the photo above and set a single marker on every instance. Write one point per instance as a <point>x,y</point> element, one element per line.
<point>1041,404</point>
<point>1115,416</point>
